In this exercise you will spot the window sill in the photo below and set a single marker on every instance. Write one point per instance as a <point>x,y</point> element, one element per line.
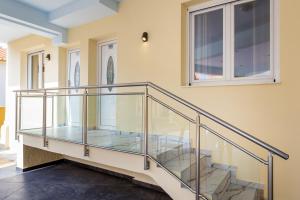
<point>232,83</point>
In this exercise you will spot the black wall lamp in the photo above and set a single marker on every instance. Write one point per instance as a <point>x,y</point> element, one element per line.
<point>145,37</point>
<point>48,56</point>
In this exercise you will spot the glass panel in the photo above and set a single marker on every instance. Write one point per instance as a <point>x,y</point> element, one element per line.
<point>208,45</point>
<point>35,71</point>
<point>170,141</point>
<point>116,121</point>
<point>64,126</point>
<point>31,115</point>
<point>49,113</point>
<point>227,172</point>
<point>252,39</point>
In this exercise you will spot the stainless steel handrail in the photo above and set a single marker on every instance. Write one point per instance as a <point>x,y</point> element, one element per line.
<point>234,144</point>
<point>210,116</point>
<point>82,95</point>
<point>210,130</point>
<point>200,112</point>
<point>120,85</point>
<point>172,109</point>
<point>222,122</point>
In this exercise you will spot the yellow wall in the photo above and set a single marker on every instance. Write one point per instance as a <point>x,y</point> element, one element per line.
<point>17,76</point>
<point>2,109</point>
<point>269,112</point>
<point>2,115</point>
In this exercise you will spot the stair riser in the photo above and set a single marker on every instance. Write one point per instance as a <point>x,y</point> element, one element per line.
<point>219,193</point>
<point>172,154</point>
<point>190,173</point>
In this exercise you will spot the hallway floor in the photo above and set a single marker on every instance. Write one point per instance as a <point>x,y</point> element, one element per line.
<point>119,140</point>
<point>7,157</point>
<point>69,181</point>
<point>7,163</point>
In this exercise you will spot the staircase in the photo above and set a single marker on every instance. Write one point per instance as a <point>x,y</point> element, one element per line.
<point>216,183</point>
<point>185,160</point>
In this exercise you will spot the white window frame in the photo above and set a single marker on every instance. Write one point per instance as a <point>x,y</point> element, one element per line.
<point>228,44</point>
<point>192,42</point>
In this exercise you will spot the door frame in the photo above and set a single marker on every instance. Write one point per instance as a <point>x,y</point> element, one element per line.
<point>29,68</point>
<point>69,52</point>
<point>100,44</point>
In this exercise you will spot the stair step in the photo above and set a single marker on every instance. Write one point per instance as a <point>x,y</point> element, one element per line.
<point>214,183</point>
<point>181,165</point>
<point>189,173</point>
<point>216,180</point>
<point>175,153</point>
<point>238,192</point>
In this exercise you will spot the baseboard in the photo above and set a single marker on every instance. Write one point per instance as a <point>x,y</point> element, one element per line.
<point>147,185</point>
<point>41,165</point>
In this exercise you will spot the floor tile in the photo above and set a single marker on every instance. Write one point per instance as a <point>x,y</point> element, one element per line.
<point>68,181</point>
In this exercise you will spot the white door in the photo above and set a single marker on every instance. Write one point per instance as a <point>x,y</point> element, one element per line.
<point>36,70</point>
<point>74,102</point>
<point>107,53</point>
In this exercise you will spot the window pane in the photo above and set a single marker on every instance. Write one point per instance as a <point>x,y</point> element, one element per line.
<point>208,45</point>
<point>252,39</point>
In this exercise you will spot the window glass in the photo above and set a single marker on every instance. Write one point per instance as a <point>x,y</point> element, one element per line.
<point>252,39</point>
<point>208,45</point>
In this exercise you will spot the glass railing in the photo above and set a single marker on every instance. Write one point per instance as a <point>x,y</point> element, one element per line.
<point>67,118</point>
<point>115,121</point>
<point>31,114</point>
<point>196,147</point>
<point>228,172</point>
<point>171,140</point>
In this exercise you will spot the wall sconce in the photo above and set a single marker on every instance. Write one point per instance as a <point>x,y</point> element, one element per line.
<point>48,56</point>
<point>145,37</point>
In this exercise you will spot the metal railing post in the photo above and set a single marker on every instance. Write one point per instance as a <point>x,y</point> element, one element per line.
<point>198,157</point>
<point>17,118</point>
<point>85,127</point>
<point>44,128</point>
<point>270,176</point>
<point>20,114</point>
<point>146,161</point>
<point>52,112</point>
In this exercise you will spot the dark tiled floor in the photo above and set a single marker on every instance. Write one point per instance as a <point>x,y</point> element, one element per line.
<point>67,181</point>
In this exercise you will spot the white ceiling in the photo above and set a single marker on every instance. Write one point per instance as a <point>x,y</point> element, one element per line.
<point>50,18</point>
<point>83,15</point>
<point>46,5</point>
<point>10,31</point>
<point>71,13</point>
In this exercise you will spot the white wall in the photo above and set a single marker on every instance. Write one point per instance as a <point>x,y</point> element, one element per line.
<point>2,84</point>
